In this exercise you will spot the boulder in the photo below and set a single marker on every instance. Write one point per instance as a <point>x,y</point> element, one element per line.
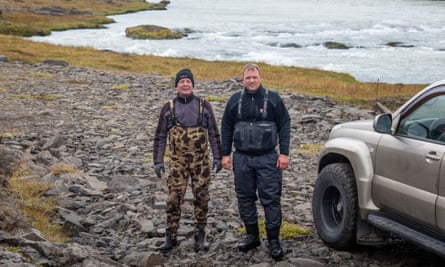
<point>152,32</point>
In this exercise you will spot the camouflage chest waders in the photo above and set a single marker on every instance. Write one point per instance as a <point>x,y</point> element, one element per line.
<point>189,158</point>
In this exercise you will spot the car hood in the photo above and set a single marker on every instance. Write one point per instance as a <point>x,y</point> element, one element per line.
<point>350,129</point>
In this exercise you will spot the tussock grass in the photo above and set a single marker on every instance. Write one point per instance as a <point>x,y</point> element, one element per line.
<point>29,194</point>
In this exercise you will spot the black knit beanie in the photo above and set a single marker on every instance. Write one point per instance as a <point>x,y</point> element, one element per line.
<point>184,73</point>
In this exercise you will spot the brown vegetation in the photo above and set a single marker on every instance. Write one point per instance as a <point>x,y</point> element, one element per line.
<point>78,14</point>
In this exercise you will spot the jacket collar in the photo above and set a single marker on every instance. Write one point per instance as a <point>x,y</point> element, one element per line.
<point>185,100</point>
<point>259,90</point>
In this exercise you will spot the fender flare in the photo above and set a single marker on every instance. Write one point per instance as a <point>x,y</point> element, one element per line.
<point>358,154</point>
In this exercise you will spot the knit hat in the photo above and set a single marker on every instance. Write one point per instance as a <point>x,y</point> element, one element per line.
<point>184,73</point>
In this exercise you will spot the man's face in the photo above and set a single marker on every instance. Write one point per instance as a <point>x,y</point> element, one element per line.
<point>251,79</point>
<point>184,87</point>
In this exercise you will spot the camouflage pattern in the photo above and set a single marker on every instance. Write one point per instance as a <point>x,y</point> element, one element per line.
<point>189,158</point>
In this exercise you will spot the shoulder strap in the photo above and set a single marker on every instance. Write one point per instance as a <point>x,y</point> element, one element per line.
<point>201,111</point>
<point>266,100</point>
<point>172,108</point>
<point>240,102</point>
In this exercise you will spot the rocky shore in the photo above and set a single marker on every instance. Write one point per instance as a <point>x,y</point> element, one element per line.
<point>98,126</point>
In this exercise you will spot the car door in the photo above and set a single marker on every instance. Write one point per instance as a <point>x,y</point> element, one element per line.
<point>408,164</point>
<point>440,206</point>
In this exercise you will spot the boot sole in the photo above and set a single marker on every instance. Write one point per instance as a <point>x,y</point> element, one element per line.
<point>278,257</point>
<point>168,249</point>
<point>252,246</point>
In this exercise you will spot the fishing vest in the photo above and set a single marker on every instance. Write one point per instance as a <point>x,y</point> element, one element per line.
<point>255,136</point>
<point>188,139</point>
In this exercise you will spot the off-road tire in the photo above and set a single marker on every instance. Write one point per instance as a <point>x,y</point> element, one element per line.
<point>334,206</point>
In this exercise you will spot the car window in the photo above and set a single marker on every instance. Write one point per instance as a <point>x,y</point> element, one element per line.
<point>427,121</point>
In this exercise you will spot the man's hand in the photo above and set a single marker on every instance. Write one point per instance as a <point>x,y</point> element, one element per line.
<point>283,162</point>
<point>217,166</point>
<point>159,167</point>
<point>227,162</point>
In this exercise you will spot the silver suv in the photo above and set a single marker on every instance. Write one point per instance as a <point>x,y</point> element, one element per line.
<point>385,177</point>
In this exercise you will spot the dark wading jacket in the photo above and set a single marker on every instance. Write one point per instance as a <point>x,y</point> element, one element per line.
<point>251,110</point>
<point>187,115</point>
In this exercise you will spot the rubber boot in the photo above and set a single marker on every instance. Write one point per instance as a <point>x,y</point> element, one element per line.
<point>169,242</point>
<point>276,252</point>
<point>200,241</point>
<point>252,239</point>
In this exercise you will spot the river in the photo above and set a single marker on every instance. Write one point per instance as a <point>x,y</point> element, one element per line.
<point>292,33</point>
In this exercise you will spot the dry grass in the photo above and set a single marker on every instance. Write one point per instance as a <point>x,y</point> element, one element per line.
<point>339,86</point>
<point>29,195</point>
<point>26,18</point>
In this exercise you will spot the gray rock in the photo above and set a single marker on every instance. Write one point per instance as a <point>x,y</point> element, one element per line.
<point>111,203</point>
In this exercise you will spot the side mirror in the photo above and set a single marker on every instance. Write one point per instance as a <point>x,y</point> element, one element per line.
<point>383,123</point>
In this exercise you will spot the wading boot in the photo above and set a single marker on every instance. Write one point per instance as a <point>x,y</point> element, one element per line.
<point>169,242</point>
<point>273,235</point>
<point>276,252</point>
<point>200,241</point>
<point>252,239</point>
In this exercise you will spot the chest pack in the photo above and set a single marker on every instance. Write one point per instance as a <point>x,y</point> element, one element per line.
<point>255,136</point>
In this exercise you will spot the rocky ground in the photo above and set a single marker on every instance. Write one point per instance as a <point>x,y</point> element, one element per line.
<point>89,133</point>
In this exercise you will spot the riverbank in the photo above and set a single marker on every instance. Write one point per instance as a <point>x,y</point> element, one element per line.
<point>339,86</point>
<point>89,133</point>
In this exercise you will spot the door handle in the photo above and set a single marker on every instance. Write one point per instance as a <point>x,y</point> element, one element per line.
<point>432,155</point>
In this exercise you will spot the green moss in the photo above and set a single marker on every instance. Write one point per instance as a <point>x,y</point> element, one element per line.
<point>152,32</point>
<point>216,98</point>
<point>287,230</point>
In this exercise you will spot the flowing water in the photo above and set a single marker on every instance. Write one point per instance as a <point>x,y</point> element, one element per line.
<point>292,33</point>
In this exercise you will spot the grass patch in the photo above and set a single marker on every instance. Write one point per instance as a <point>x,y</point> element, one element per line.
<point>42,97</point>
<point>152,32</point>
<point>338,86</point>
<point>216,98</point>
<point>287,230</point>
<point>121,87</point>
<point>39,208</point>
<point>28,16</point>
<point>59,169</point>
<point>7,134</point>
<point>310,148</point>
<point>42,75</point>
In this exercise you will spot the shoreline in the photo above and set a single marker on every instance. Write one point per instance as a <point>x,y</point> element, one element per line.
<point>339,86</point>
